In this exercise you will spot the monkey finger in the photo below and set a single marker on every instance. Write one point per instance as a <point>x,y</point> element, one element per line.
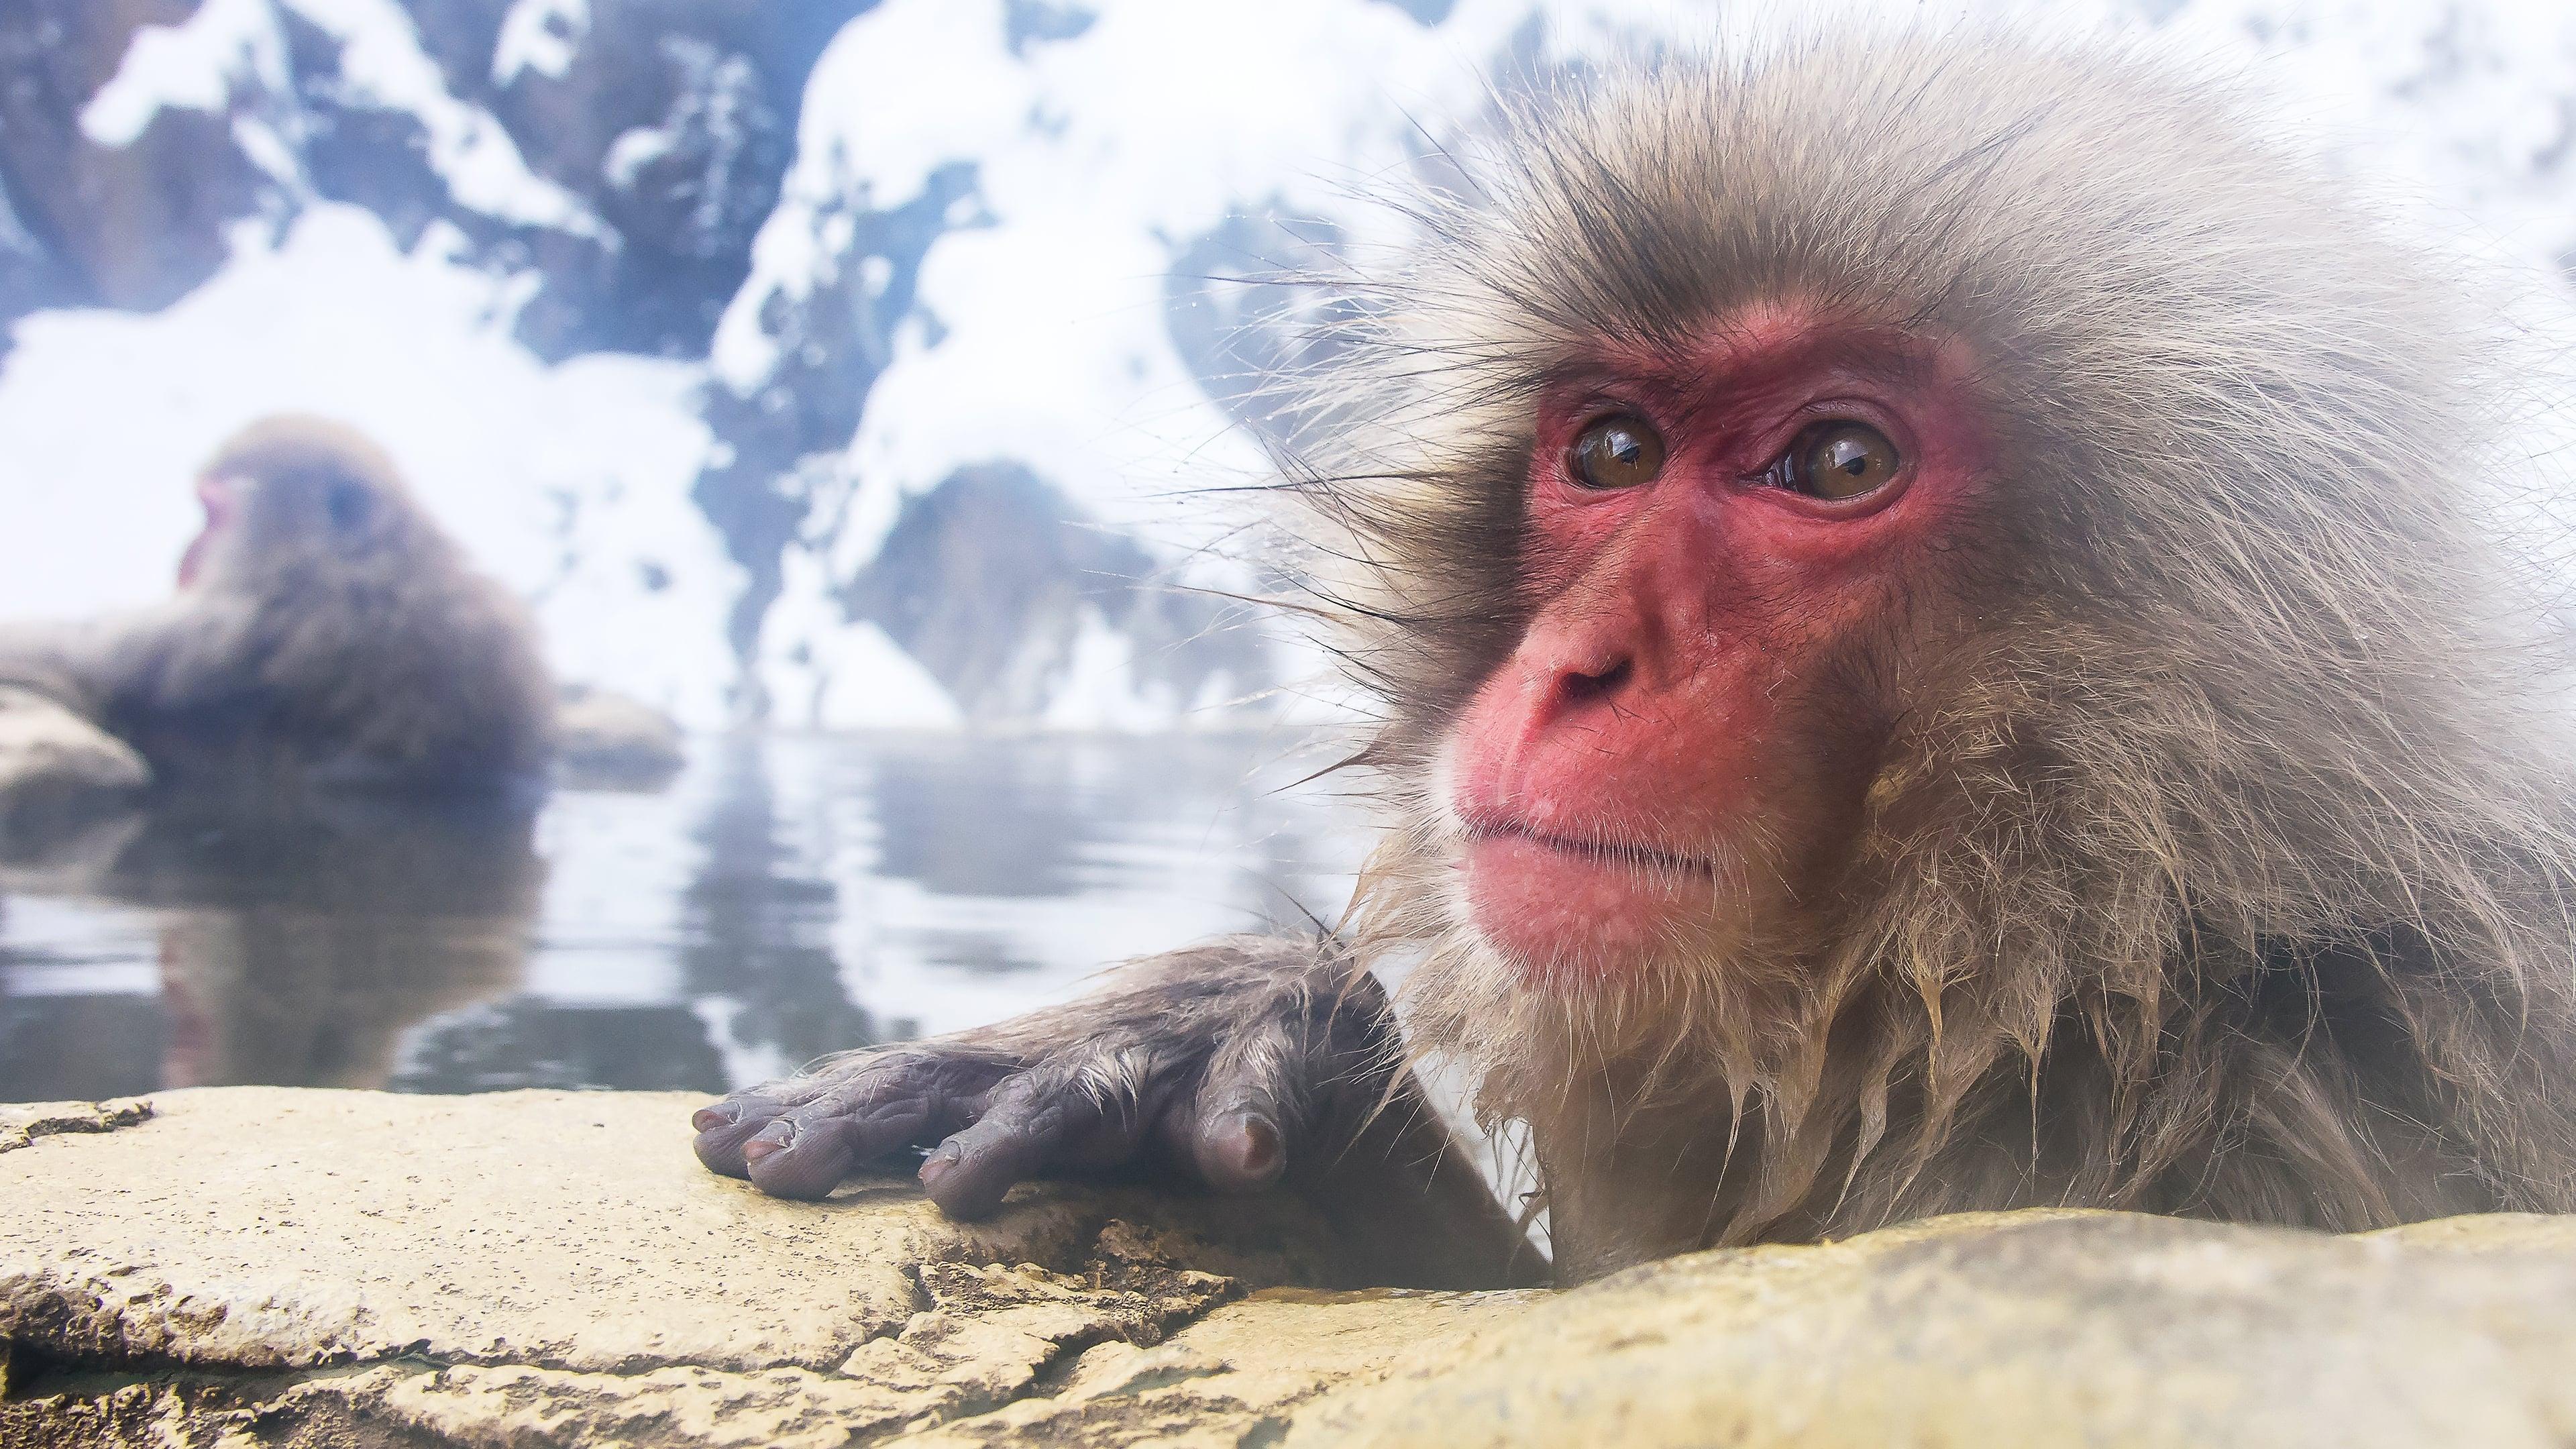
<point>804,1160</point>
<point>1035,1121</point>
<point>1243,1150</point>
<point>807,1151</point>
<point>1236,1128</point>
<point>723,1127</point>
<point>727,1129</point>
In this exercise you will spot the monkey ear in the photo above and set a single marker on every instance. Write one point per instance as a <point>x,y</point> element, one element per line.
<point>349,505</point>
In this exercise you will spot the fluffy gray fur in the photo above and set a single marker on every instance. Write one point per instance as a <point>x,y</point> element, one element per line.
<point>2219,863</point>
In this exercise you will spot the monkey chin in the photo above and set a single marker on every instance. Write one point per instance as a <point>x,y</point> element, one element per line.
<point>1573,916</point>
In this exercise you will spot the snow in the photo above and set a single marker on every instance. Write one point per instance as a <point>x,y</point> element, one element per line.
<point>1100,691</point>
<point>541,36</point>
<point>382,64</point>
<point>195,65</point>
<point>636,149</point>
<point>1041,327</point>
<point>1095,158</point>
<point>570,483</point>
<point>826,671</point>
<point>232,55</point>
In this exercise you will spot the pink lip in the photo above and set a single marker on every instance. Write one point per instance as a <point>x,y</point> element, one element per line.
<point>1569,909</point>
<point>1601,852</point>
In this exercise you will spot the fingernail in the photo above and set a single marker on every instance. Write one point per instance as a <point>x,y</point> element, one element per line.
<point>1259,1150</point>
<point>722,1114</point>
<point>778,1136</point>
<point>938,1164</point>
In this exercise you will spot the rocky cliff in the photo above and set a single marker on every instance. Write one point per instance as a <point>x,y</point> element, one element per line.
<point>726,329</point>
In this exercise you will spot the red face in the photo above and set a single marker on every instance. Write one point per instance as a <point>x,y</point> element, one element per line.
<point>1725,550</point>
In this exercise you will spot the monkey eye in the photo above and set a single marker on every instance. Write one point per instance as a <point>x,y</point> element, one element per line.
<point>1619,451</point>
<point>1835,460</point>
<point>348,505</point>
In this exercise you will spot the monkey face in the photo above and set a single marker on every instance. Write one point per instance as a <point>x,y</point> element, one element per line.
<point>1724,549</point>
<point>291,495</point>
<point>259,524</point>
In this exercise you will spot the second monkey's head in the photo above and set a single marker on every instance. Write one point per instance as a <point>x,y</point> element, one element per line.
<point>292,497</point>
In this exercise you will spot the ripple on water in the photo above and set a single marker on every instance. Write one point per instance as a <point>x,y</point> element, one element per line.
<point>785,896</point>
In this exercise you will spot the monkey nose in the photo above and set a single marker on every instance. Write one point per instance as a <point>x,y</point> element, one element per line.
<point>1571,660</point>
<point>1577,686</point>
<point>1563,683</point>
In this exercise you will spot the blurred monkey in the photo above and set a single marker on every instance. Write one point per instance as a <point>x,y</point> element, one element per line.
<point>324,632</point>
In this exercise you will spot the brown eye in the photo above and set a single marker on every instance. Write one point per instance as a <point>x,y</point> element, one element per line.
<point>1840,459</point>
<point>1617,452</point>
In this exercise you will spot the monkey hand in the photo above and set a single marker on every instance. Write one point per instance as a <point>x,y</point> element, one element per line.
<point>1226,1064</point>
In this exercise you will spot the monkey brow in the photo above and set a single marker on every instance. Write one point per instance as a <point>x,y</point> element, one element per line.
<point>1883,354</point>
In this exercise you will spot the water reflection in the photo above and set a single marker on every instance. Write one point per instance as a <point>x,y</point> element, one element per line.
<point>784,897</point>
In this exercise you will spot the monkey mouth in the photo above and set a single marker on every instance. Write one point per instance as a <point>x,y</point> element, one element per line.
<point>1574,908</point>
<point>217,496</point>
<point>1631,854</point>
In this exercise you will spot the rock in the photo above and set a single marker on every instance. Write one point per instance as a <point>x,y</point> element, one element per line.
<point>21,1123</point>
<point>259,1265</point>
<point>59,774</point>
<point>550,1267</point>
<point>991,579</point>
<point>607,740</point>
<point>2034,1328</point>
<point>1238,1376</point>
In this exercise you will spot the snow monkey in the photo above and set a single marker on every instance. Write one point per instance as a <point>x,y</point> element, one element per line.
<point>1945,643</point>
<point>324,631</point>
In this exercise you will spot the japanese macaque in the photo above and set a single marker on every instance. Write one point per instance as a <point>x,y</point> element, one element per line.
<point>324,632</point>
<point>1947,643</point>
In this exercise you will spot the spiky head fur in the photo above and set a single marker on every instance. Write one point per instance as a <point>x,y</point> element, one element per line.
<point>2219,864</point>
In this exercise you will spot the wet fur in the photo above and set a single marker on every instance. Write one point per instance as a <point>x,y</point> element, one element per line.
<point>2220,864</point>
<point>334,636</point>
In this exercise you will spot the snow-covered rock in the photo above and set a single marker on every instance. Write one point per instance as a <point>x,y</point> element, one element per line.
<point>608,740</point>
<point>839,363</point>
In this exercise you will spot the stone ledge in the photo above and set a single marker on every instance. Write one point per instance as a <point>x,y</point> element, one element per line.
<point>263,1266</point>
<point>2031,1328</point>
<point>21,1123</point>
